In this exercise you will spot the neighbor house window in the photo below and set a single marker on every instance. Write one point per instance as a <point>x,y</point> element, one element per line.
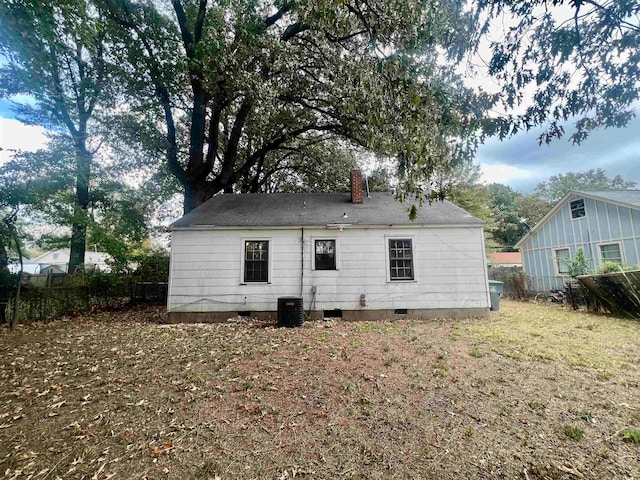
<point>256,261</point>
<point>401,259</point>
<point>325,254</point>
<point>611,253</point>
<point>577,208</point>
<point>562,257</point>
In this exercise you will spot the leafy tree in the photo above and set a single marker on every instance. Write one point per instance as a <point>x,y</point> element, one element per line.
<point>40,187</point>
<point>531,209</point>
<point>463,188</point>
<point>229,87</point>
<point>579,58</point>
<point>514,214</point>
<point>324,168</point>
<point>558,186</point>
<point>54,52</point>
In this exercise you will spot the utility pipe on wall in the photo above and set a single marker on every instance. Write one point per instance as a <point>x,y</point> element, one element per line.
<point>302,264</point>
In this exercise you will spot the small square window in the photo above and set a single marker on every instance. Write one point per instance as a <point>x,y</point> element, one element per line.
<point>577,208</point>
<point>562,257</point>
<point>325,254</point>
<point>256,261</point>
<point>611,253</point>
<point>401,259</point>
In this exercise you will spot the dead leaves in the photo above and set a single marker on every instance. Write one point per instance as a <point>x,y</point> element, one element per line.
<point>130,399</point>
<point>162,449</point>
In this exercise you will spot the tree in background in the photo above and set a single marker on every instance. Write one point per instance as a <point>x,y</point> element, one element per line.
<point>8,281</point>
<point>514,214</point>
<point>558,186</point>
<point>579,57</point>
<point>40,186</point>
<point>54,52</point>
<point>231,87</point>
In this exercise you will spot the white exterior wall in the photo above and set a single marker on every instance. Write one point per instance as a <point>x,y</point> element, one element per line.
<point>449,269</point>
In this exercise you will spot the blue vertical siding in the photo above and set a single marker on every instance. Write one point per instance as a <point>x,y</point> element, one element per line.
<point>614,221</point>
<point>625,220</point>
<point>590,208</point>
<point>604,222</point>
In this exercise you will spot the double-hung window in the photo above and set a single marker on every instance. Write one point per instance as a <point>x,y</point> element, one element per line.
<point>562,257</point>
<point>325,254</point>
<point>256,261</point>
<point>611,253</point>
<point>401,259</point>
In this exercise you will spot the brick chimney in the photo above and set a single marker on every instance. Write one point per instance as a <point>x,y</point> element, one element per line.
<point>356,186</point>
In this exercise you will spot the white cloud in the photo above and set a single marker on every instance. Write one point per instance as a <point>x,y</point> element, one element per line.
<point>15,135</point>
<point>503,173</point>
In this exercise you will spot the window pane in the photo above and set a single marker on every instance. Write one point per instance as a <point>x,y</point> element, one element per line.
<point>577,208</point>
<point>256,261</point>
<point>562,256</point>
<point>325,253</point>
<point>611,253</point>
<point>400,259</point>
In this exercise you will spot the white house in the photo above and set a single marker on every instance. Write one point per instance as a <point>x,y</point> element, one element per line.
<point>364,257</point>
<point>57,261</point>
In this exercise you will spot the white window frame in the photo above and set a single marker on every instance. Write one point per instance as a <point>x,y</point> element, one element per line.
<point>244,240</point>
<point>556,267</point>
<point>584,207</point>
<point>387,239</point>
<point>313,252</point>
<point>620,246</point>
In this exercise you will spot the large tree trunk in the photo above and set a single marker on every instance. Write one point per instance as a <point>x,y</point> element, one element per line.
<point>80,219</point>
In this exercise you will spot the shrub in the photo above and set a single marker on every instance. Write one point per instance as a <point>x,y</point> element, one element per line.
<point>580,265</point>
<point>152,266</point>
<point>609,267</point>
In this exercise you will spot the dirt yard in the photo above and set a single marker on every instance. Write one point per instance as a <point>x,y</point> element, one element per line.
<point>537,392</point>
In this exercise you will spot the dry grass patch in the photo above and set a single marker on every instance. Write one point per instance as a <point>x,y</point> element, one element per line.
<point>118,395</point>
<point>529,331</point>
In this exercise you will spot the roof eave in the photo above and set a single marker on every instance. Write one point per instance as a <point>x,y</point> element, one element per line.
<point>352,226</point>
<point>550,213</point>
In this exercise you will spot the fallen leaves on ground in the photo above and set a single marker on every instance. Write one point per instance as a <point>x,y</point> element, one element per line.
<point>119,394</point>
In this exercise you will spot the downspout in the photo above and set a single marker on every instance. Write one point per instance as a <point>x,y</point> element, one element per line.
<point>302,264</point>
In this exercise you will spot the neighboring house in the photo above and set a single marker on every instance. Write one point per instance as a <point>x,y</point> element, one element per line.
<point>505,259</point>
<point>57,261</point>
<point>605,223</point>
<point>362,258</point>
<point>27,266</point>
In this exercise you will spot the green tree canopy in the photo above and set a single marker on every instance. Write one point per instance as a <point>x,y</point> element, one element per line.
<point>54,52</point>
<point>564,61</point>
<point>40,186</point>
<point>559,185</point>
<point>229,87</point>
<point>514,214</point>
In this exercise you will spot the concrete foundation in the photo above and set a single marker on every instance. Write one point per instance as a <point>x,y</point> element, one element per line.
<point>347,315</point>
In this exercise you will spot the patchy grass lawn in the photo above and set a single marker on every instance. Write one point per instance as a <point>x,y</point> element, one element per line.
<point>537,392</point>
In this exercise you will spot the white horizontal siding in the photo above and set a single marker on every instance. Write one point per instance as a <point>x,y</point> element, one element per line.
<point>449,265</point>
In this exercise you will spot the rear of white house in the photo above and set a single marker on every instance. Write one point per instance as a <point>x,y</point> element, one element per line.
<point>237,254</point>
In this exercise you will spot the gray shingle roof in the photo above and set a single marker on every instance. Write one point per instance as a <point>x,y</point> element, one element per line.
<point>318,209</point>
<point>630,197</point>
